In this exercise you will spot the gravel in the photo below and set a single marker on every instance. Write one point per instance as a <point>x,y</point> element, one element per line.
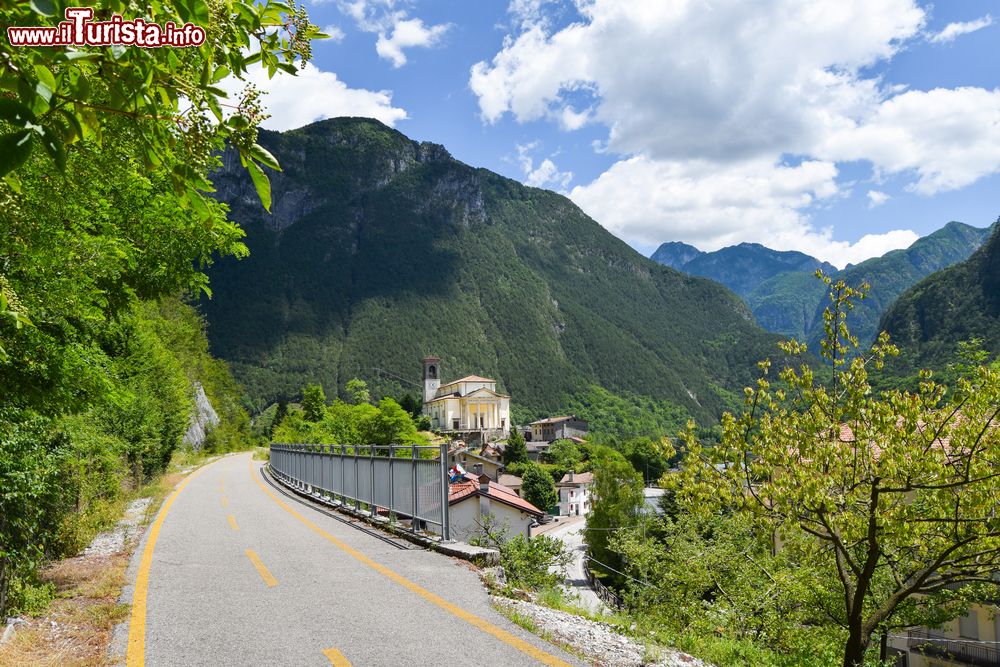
<point>598,641</point>
<point>121,536</point>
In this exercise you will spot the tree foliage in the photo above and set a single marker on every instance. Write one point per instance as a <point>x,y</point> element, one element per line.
<point>891,495</point>
<point>516,450</point>
<point>538,488</point>
<point>313,402</point>
<point>616,503</point>
<point>54,98</point>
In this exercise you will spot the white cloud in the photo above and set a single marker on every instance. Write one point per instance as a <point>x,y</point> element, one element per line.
<point>877,198</point>
<point>407,34</point>
<point>954,30</point>
<point>335,33</point>
<point>396,30</point>
<point>702,101</point>
<point>712,206</point>
<point>311,95</point>
<point>546,174</point>
<point>947,138</point>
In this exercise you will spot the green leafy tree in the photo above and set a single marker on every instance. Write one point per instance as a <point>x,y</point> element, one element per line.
<point>392,426</point>
<point>516,450</point>
<point>538,488</point>
<point>651,458</point>
<point>313,402</point>
<point>564,454</point>
<point>890,495</point>
<point>357,391</point>
<point>55,97</point>
<point>616,502</point>
<point>280,412</point>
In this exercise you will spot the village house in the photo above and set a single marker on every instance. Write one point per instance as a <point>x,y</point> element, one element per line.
<point>574,493</point>
<point>473,497</point>
<point>469,407</point>
<point>512,482</point>
<point>558,428</point>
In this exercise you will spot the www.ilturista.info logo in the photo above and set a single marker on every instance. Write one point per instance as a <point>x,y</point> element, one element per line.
<point>79,29</point>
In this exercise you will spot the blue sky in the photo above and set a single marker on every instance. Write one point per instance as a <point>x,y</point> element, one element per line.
<point>842,128</point>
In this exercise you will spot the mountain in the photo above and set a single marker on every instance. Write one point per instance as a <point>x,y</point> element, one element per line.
<point>785,297</point>
<point>741,267</point>
<point>957,304</point>
<point>675,254</point>
<point>381,250</point>
<point>894,272</point>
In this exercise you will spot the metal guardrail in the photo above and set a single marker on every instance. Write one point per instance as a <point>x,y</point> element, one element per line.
<point>607,596</point>
<point>967,651</point>
<point>392,479</point>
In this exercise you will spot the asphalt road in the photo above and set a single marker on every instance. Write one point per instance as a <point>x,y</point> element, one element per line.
<point>571,533</point>
<point>241,574</point>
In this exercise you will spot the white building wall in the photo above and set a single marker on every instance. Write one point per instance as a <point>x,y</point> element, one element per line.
<point>465,518</point>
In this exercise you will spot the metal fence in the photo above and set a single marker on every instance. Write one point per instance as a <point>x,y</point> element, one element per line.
<point>966,651</point>
<point>398,481</point>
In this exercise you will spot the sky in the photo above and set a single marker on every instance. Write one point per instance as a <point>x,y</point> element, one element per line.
<point>840,128</point>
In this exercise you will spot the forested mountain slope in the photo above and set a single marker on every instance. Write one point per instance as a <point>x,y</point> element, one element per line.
<point>790,301</point>
<point>957,304</point>
<point>381,250</point>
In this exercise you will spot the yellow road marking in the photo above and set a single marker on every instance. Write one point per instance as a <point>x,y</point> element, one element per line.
<point>136,653</point>
<point>336,658</point>
<point>232,522</point>
<point>225,501</point>
<point>261,570</point>
<point>484,625</point>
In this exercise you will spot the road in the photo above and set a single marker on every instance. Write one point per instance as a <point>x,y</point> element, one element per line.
<point>235,572</point>
<point>571,533</point>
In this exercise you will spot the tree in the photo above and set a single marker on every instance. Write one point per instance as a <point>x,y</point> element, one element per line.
<point>313,402</point>
<point>891,495</point>
<point>651,458</point>
<point>357,391</point>
<point>538,488</point>
<point>393,425</point>
<point>564,454</point>
<point>616,501</point>
<point>280,412</point>
<point>516,450</point>
<point>55,97</point>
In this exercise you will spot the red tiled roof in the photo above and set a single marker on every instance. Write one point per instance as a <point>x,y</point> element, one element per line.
<point>469,486</point>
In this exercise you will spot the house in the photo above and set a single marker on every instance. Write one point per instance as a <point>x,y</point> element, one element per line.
<point>973,639</point>
<point>512,482</point>
<point>474,462</point>
<point>574,493</point>
<point>557,428</point>
<point>474,497</point>
<point>470,407</point>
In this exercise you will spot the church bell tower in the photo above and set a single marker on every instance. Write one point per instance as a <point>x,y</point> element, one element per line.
<point>432,376</point>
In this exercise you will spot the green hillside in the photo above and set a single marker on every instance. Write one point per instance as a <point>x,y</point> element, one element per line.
<point>892,273</point>
<point>743,267</point>
<point>792,303</point>
<point>381,250</point>
<point>958,304</point>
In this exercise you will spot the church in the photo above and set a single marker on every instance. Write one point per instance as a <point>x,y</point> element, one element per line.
<point>470,405</point>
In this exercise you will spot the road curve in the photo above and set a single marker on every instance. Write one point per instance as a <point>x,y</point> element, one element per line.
<point>241,574</point>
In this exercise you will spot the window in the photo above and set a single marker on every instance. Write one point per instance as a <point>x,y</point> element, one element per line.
<point>968,626</point>
<point>454,424</point>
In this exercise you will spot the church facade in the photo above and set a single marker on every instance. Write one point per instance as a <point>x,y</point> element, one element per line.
<point>468,405</point>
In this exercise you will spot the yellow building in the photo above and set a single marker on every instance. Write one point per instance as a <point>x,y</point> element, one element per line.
<point>469,405</point>
<point>972,640</point>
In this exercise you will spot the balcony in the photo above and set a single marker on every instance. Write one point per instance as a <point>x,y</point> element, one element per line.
<point>966,651</point>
